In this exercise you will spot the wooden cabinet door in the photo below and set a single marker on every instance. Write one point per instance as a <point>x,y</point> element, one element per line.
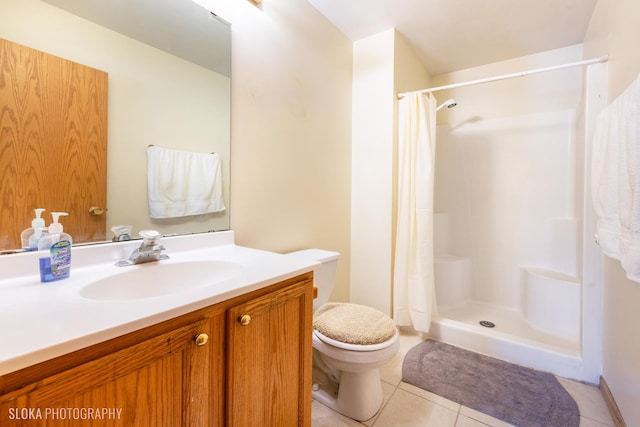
<point>163,381</point>
<point>53,143</point>
<point>269,359</point>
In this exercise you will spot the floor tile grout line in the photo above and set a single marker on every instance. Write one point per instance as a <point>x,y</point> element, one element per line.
<point>604,423</point>
<point>458,415</point>
<point>377,415</point>
<point>432,401</point>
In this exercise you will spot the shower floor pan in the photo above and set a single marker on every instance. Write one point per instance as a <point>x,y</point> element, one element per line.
<point>511,339</point>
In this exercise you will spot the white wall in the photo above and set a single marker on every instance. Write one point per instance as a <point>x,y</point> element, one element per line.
<point>592,284</point>
<point>614,31</point>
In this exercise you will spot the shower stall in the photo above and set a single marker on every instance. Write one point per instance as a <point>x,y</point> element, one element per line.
<point>515,259</point>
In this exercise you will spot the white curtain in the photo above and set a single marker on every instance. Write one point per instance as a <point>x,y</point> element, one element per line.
<point>413,282</point>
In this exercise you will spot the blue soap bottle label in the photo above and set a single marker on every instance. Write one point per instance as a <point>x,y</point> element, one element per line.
<point>61,259</point>
<point>57,265</point>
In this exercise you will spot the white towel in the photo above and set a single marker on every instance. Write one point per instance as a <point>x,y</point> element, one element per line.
<point>616,179</point>
<point>183,183</point>
<point>629,107</point>
<point>604,181</point>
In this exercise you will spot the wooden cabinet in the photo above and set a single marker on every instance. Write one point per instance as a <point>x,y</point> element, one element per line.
<point>153,383</point>
<point>211,367</point>
<point>269,357</point>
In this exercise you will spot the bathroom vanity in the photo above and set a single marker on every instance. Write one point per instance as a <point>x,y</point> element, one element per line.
<point>234,353</point>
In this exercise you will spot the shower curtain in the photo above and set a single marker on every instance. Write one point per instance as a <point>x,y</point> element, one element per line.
<point>413,281</point>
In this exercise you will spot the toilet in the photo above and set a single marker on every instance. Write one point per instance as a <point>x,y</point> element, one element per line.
<point>350,343</point>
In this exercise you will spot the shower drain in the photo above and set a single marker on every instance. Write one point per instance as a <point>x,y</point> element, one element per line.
<point>487,324</point>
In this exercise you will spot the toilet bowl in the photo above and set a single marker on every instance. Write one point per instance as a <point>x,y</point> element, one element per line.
<point>349,380</point>
<point>350,343</point>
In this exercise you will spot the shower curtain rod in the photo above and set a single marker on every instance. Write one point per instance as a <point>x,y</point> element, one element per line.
<point>509,76</point>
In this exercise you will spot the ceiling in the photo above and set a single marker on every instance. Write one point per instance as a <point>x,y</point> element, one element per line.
<point>182,28</point>
<point>451,35</point>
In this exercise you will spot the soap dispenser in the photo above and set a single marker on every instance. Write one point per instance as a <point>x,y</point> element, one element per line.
<point>31,235</point>
<point>55,251</point>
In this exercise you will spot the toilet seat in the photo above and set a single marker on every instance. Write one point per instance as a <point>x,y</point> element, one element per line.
<point>354,347</point>
<point>355,360</point>
<point>353,326</point>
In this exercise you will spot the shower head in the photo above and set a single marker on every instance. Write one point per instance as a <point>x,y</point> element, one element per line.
<point>449,103</point>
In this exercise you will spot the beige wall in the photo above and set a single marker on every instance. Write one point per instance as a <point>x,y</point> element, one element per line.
<point>614,30</point>
<point>383,66</point>
<point>291,129</point>
<point>371,184</point>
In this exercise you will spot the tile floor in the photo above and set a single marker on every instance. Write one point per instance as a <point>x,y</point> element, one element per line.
<point>408,406</point>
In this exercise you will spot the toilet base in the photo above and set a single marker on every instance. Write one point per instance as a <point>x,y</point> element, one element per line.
<point>347,397</point>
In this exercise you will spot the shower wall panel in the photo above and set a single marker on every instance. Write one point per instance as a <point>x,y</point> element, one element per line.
<point>506,184</point>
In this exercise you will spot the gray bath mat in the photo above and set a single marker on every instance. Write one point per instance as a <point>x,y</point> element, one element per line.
<point>520,396</point>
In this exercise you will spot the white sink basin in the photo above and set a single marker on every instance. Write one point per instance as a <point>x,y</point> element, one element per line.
<point>155,279</point>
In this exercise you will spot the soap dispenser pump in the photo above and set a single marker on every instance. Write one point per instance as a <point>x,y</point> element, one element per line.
<point>30,236</point>
<point>55,251</point>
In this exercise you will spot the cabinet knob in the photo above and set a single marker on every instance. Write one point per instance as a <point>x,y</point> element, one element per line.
<point>244,320</point>
<point>201,339</point>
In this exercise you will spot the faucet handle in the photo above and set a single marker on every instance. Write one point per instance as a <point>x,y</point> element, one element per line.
<point>150,237</point>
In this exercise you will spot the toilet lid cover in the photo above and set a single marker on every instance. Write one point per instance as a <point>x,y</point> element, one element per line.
<point>353,323</point>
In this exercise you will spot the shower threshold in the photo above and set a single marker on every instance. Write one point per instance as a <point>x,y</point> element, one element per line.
<point>511,338</point>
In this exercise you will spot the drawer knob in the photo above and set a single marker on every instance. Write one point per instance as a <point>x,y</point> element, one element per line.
<point>244,320</point>
<point>201,339</point>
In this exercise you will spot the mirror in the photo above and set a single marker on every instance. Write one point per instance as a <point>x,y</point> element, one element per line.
<point>169,85</point>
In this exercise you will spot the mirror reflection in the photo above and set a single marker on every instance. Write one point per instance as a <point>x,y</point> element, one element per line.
<point>161,91</point>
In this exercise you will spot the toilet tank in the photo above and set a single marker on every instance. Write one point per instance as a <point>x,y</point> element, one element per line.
<point>324,275</point>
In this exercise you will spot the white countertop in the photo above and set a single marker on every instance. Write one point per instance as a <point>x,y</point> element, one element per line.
<point>40,321</point>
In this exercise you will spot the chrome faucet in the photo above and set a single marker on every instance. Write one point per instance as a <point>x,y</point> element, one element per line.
<point>150,250</point>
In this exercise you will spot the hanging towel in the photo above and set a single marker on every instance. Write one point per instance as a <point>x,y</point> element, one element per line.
<point>183,183</point>
<point>629,118</point>
<point>616,179</point>
<point>605,185</point>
